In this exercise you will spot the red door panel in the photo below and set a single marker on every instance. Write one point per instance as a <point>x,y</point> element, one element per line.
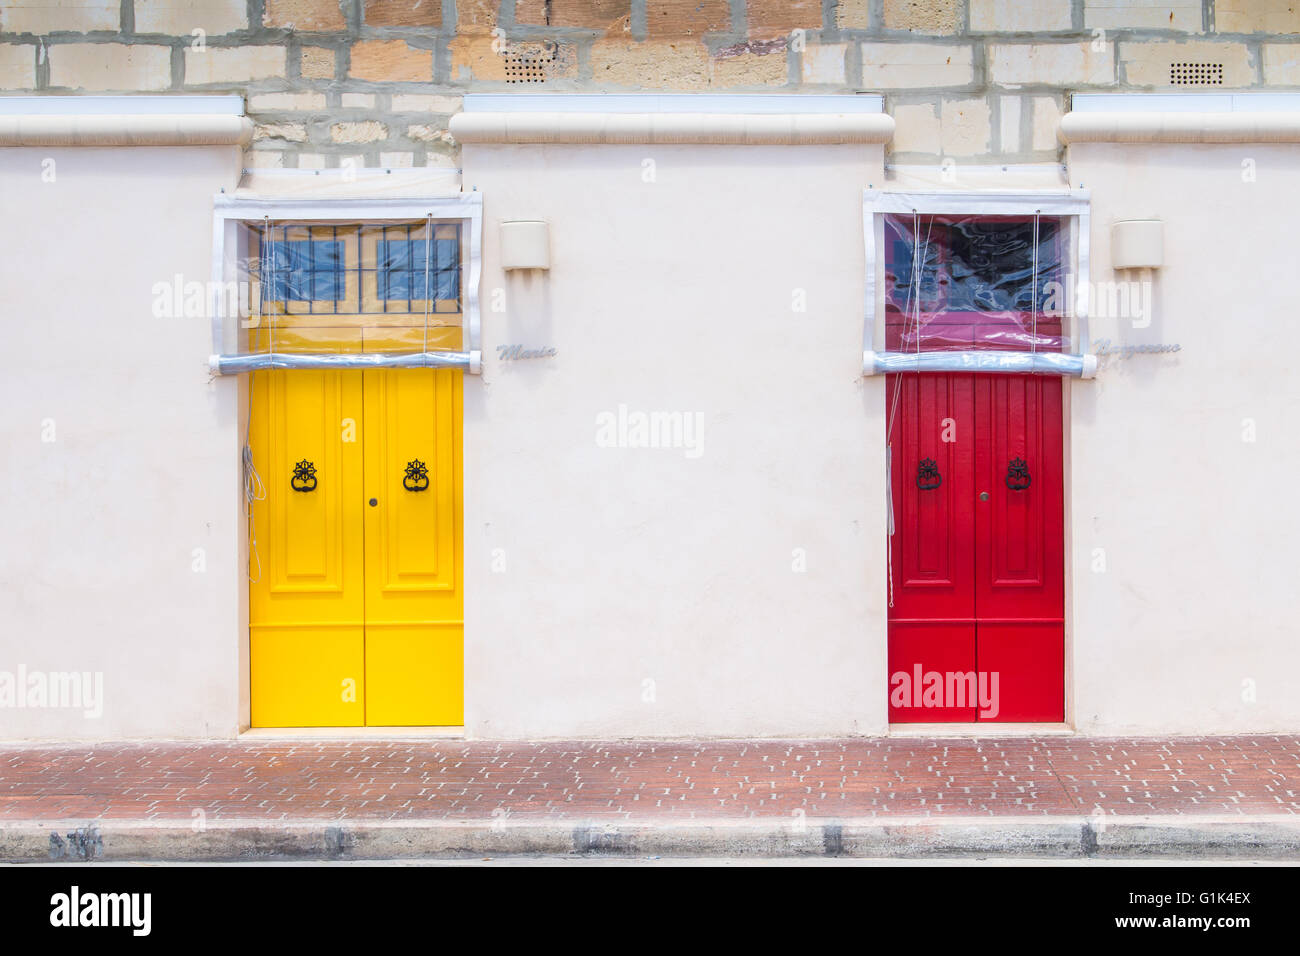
<point>933,560</point>
<point>1019,550</point>
<point>927,664</point>
<point>1019,559</point>
<point>1025,665</point>
<point>932,620</point>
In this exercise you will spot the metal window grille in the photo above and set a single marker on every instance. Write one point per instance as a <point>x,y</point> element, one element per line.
<point>357,269</point>
<point>303,270</point>
<point>405,264</point>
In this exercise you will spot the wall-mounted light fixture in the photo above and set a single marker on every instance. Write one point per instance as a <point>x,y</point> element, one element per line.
<point>525,244</point>
<point>1137,244</point>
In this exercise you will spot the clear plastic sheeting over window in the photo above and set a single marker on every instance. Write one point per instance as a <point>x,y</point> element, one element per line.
<point>350,287</point>
<point>959,283</point>
<point>304,284</point>
<point>977,280</point>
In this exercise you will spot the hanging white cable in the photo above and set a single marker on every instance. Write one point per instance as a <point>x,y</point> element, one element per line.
<point>428,249</point>
<point>1033,295</point>
<point>893,408</point>
<point>889,421</point>
<point>920,253</point>
<point>254,489</point>
<point>907,312</point>
<point>272,275</point>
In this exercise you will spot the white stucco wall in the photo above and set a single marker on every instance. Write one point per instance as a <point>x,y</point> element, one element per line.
<point>642,591</point>
<point>101,523</point>
<point>1196,607</point>
<point>653,592</point>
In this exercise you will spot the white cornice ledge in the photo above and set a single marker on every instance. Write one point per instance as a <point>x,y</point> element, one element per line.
<point>1138,127</point>
<point>779,129</point>
<point>163,129</point>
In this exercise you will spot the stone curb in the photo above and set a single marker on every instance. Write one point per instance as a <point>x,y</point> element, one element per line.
<point>1063,837</point>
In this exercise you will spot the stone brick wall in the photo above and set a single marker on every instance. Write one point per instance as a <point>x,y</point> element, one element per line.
<point>373,82</point>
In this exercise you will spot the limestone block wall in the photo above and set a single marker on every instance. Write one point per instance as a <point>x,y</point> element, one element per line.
<point>373,82</point>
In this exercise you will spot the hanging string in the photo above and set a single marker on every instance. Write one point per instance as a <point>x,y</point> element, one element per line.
<point>428,293</point>
<point>911,307</point>
<point>254,489</point>
<point>920,254</point>
<point>269,274</point>
<point>1033,297</point>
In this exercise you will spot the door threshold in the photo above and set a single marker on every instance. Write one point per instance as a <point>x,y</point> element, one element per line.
<point>352,733</point>
<point>984,728</point>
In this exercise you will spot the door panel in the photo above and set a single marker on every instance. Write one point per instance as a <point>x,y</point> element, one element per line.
<point>1029,663</point>
<point>306,604</point>
<point>933,560</point>
<point>413,581</point>
<point>917,650</point>
<point>1019,559</point>
<point>1019,544</point>
<point>932,620</point>
<point>415,675</point>
<point>307,676</point>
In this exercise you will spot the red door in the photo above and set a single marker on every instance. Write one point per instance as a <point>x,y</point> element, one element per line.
<point>932,468</point>
<point>976,622</point>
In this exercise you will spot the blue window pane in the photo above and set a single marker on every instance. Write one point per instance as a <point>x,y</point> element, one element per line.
<point>403,264</point>
<point>300,271</point>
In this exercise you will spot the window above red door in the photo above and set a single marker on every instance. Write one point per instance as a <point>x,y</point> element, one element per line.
<point>975,282</point>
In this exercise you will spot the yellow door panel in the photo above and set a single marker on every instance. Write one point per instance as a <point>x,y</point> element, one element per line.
<point>414,675</point>
<point>413,535</point>
<point>307,676</point>
<point>306,557</point>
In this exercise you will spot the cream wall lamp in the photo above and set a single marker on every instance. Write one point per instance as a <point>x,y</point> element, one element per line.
<point>525,244</point>
<point>1137,244</point>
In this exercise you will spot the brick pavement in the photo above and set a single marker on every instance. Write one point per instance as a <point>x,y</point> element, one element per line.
<point>668,781</point>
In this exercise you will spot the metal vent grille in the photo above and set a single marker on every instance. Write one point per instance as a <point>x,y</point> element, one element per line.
<point>1196,74</point>
<point>530,64</point>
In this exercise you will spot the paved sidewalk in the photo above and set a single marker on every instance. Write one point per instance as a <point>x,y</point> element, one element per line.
<point>1056,796</point>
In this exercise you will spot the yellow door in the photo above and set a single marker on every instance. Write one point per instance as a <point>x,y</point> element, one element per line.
<point>356,617</point>
<point>307,596</point>
<point>413,581</point>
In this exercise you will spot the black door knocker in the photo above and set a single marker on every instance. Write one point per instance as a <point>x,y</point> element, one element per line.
<point>304,476</point>
<point>927,475</point>
<point>1018,474</point>
<point>417,476</point>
